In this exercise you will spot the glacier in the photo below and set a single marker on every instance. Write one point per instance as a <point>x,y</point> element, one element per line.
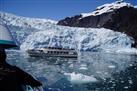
<point>25,22</point>
<point>81,39</point>
<point>34,33</point>
<point>21,27</point>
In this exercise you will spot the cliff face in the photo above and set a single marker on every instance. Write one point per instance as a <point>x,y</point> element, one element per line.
<point>123,19</point>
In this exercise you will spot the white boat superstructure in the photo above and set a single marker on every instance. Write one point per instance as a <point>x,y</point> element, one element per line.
<point>6,40</point>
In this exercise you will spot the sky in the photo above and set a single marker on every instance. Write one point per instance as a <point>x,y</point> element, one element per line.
<point>52,9</point>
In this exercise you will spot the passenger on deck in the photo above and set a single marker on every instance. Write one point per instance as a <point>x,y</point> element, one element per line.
<point>13,78</point>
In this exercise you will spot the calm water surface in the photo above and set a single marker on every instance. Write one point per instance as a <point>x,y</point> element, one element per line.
<point>92,71</point>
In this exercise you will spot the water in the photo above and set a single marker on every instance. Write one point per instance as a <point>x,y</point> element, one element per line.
<point>92,71</point>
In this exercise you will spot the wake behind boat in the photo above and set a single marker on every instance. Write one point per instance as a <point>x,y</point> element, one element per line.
<point>53,52</point>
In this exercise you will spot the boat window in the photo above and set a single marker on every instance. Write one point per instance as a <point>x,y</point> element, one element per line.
<point>66,52</point>
<point>75,53</point>
<point>49,52</point>
<point>71,53</point>
<point>54,52</point>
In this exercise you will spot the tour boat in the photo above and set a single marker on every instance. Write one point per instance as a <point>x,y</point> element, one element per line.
<point>53,52</point>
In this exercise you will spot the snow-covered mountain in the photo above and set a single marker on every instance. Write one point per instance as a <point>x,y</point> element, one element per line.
<point>109,7</point>
<point>106,8</point>
<point>100,10</point>
<point>118,16</point>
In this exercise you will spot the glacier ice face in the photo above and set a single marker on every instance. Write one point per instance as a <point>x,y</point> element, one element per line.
<point>21,27</point>
<point>83,39</point>
<point>38,33</point>
<point>11,19</point>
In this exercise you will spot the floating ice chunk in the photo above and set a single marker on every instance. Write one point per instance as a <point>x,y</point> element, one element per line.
<point>130,81</point>
<point>126,87</point>
<point>71,65</point>
<point>112,66</point>
<point>77,78</point>
<point>127,50</point>
<point>83,67</point>
<point>131,65</point>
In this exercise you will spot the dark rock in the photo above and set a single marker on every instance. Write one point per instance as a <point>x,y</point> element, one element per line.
<point>70,21</point>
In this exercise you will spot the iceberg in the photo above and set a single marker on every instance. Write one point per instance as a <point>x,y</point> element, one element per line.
<point>80,78</point>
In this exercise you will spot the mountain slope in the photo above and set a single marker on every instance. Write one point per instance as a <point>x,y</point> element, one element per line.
<point>117,16</point>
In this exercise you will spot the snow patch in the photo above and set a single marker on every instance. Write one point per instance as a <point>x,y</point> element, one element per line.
<point>83,67</point>
<point>112,66</point>
<point>107,8</point>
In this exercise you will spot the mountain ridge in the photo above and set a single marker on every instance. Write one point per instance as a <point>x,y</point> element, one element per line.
<point>108,7</point>
<point>122,19</point>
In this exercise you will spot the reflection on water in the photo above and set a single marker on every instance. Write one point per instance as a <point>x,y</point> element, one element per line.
<point>113,72</point>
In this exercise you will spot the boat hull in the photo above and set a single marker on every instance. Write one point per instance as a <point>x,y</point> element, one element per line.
<point>47,55</point>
